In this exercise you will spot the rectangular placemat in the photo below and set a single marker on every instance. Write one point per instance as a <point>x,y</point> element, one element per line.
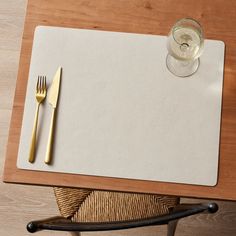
<point>121,113</point>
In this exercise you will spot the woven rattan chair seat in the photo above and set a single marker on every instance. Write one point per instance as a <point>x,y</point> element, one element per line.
<point>82,205</point>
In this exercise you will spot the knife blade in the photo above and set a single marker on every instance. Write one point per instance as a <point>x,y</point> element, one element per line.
<point>53,100</point>
<point>55,87</point>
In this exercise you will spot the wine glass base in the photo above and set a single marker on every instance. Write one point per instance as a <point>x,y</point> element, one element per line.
<point>181,68</point>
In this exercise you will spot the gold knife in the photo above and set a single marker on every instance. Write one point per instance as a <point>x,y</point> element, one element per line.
<point>53,99</point>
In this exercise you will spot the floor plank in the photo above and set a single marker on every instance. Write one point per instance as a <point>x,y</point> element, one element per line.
<point>20,204</point>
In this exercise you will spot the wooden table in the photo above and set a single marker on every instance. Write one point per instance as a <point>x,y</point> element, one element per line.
<point>138,16</point>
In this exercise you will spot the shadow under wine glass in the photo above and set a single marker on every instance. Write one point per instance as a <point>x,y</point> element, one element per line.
<point>185,45</point>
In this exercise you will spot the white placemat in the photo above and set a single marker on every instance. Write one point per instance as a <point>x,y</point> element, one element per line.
<point>121,112</point>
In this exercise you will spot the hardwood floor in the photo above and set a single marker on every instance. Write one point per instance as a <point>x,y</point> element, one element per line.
<point>20,204</point>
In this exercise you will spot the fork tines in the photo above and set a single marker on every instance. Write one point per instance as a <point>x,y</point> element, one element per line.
<point>41,84</point>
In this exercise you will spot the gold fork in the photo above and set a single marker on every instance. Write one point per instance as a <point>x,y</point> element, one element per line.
<point>41,91</point>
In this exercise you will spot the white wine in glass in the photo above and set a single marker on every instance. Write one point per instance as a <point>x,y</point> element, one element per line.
<point>185,45</point>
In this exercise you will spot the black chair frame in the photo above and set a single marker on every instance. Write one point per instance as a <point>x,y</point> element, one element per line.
<point>64,224</point>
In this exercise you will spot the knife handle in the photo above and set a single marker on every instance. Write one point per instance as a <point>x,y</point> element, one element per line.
<point>48,157</point>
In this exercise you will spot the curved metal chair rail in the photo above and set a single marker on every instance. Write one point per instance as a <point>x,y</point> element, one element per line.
<point>64,224</point>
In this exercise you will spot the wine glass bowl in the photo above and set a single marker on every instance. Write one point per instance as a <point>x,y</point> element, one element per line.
<point>185,45</point>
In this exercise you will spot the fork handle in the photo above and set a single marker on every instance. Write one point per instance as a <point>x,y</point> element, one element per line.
<point>33,137</point>
<point>48,157</point>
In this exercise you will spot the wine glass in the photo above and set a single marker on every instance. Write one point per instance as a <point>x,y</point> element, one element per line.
<point>185,45</point>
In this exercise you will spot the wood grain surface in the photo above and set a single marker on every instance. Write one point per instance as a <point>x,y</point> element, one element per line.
<point>139,16</point>
<point>20,204</point>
